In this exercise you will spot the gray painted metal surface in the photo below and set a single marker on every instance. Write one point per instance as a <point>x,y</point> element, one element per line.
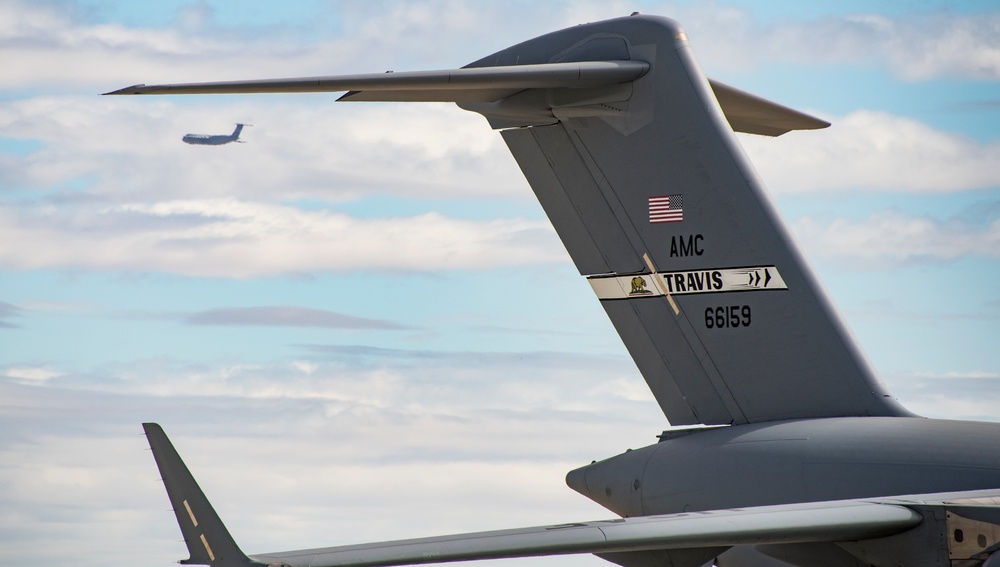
<point>778,524</point>
<point>452,85</point>
<point>795,461</point>
<point>808,460</point>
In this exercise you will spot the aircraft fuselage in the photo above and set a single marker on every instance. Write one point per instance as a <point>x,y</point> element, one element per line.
<point>794,461</point>
<point>213,140</point>
<point>204,140</point>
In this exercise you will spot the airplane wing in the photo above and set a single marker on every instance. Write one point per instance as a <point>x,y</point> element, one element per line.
<point>796,523</point>
<point>210,543</point>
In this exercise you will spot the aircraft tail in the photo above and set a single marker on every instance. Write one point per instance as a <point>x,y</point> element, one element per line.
<point>236,133</point>
<point>659,208</point>
<point>208,541</point>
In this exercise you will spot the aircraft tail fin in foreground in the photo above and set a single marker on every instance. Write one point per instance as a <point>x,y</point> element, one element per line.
<point>630,150</point>
<point>208,541</point>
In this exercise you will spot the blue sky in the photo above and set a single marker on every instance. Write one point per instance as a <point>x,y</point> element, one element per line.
<point>360,322</point>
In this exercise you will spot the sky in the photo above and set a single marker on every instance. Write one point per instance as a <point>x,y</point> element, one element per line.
<point>359,325</point>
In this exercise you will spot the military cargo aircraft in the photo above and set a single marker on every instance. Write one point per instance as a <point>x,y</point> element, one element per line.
<point>787,449</point>
<point>214,140</point>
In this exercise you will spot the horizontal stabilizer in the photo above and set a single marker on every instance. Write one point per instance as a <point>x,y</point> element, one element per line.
<point>744,111</point>
<point>481,84</point>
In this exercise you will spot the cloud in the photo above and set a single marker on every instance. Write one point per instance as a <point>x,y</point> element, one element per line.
<point>400,381</point>
<point>8,311</point>
<point>930,45</point>
<point>31,373</point>
<point>118,149</point>
<point>874,150</point>
<point>287,316</point>
<point>914,45</point>
<point>956,394</point>
<point>370,444</point>
<point>369,37</point>
<point>236,239</point>
<point>88,54</point>
<point>888,239</point>
<point>417,443</point>
<point>352,37</point>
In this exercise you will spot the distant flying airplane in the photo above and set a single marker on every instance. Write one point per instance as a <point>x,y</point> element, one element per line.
<point>788,450</point>
<point>214,140</point>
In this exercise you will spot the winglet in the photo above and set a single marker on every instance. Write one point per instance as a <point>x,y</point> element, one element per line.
<point>207,539</point>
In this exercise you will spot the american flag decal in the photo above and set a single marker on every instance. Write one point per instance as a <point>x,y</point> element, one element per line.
<point>668,208</point>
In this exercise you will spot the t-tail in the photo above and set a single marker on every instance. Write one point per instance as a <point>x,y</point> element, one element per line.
<point>631,153</point>
<point>660,209</point>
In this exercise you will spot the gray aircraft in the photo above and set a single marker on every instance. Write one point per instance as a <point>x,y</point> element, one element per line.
<point>787,449</point>
<point>214,140</point>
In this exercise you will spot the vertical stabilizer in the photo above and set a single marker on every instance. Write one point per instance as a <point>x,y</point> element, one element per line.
<point>208,541</point>
<point>660,209</point>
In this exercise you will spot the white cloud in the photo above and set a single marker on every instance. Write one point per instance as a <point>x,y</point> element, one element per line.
<point>955,394</point>
<point>83,55</point>
<point>418,444</point>
<point>874,150</point>
<point>148,201</point>
<point>285,316</point>
<point>937,45</point>
<point>48,45</point>
<point>888,239</point>
<point>365,446</point>
<point>229,238</point>
<point>920,45</point>
<point>130,149</point>
<point>31,373</point>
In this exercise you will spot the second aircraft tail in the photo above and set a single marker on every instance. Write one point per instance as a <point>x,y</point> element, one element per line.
<point>208,541</point>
